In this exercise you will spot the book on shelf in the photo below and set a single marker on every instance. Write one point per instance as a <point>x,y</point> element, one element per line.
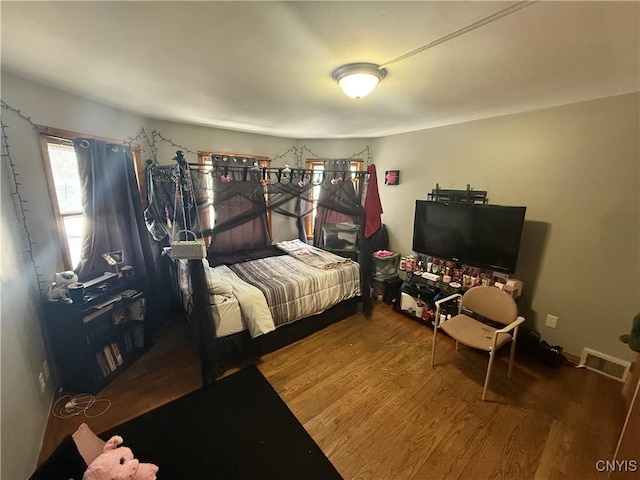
<point>111,361</point>
<point>116,353</point>
<point>102,364</point>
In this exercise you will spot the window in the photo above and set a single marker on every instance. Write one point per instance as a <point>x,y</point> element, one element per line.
<point>66,182</point>
<point>61,169</point>
<point>317,165</point>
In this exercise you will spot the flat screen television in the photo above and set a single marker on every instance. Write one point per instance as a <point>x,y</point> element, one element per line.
<point>485,236</point>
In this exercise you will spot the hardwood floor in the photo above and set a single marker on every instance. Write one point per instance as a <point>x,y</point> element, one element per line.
<point>365,391</point>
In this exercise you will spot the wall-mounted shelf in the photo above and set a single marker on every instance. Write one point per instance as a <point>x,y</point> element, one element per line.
<point>457,196</point>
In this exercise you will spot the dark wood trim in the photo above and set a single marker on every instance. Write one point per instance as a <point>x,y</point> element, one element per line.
<point>60,228</point>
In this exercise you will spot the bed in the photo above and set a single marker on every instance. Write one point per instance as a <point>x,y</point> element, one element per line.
<point>249,297</point>
<point>249,304</point>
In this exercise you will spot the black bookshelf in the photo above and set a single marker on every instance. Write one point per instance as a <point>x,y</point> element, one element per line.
<point>96,338</point>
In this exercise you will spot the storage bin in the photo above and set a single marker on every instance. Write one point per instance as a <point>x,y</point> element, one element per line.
<point>386,267</point>
<point>340,236</point>
<point>386,290</point>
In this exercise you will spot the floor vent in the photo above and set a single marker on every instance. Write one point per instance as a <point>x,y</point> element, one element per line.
<point>604,364</point>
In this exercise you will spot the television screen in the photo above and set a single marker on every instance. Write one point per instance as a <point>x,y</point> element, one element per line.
<point>486,236</point>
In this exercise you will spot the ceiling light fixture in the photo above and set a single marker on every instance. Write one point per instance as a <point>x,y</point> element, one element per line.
<point>358,80</point>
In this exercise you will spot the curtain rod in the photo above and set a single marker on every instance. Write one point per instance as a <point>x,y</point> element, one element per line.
<point>206,165</point>
<point>201,166</point>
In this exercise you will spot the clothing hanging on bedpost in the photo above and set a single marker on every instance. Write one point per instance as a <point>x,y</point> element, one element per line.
<point>184,188</point>
<point>372,223</point>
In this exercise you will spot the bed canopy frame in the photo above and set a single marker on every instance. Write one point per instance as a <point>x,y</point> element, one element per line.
<point>277,186</point>
<point>243,193</point>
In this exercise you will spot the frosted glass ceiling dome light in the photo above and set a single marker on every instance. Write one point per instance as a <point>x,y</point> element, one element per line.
<point>358,80</point>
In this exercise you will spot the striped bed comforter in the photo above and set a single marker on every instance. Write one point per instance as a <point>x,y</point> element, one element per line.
<point>295,290</point>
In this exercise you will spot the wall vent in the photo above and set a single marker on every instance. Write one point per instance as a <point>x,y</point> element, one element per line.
<point>604,364</point>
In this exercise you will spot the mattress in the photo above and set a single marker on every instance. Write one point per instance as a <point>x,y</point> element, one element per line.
<point>225,309</point>
<point>295,290</point>
<point>227,318</point>
<point>290,288</point>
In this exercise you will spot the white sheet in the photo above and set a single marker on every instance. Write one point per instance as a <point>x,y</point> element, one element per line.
<point>227,317</point>
<point>253,306</point>
<point>225,309</point>
<point>295,290</point>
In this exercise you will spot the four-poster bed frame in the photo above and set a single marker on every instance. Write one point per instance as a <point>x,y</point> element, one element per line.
<point>280,186</point>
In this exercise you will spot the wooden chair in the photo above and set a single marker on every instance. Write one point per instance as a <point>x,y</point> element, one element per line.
<point>481,311</point>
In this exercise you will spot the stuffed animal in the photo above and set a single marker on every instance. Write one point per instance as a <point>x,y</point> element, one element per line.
<point>58,289</point>
<point>117,463</point>
<point>633,339</point>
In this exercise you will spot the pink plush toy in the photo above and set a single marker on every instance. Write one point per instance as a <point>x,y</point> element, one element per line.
<point>117,463</point>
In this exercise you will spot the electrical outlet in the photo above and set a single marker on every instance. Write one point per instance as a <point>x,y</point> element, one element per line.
<point>42,381</point>
<point>551,321</point>
<point>45,370</point>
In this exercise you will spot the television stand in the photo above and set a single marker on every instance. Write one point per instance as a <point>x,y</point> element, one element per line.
<point>418,294</point>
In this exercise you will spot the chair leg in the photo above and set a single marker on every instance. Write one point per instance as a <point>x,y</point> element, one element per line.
<point>489,368</point>
<point>457,346</point>
<point>513,351</point>
<point>433,349</point>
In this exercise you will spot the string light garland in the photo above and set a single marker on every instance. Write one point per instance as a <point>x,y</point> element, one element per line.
<point>157,134</point>
<point>153,150</point>
<point>365,150</point>
<point>293,149</point>
<point>16,194</point>
<point>151,142</point>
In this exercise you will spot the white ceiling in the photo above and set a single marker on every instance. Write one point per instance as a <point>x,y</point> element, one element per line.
<point>265,67</point>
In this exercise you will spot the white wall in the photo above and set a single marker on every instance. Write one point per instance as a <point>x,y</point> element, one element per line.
<point>197,138</point>
<point>338,148</point>
<point>577,169</point>
<point>24,408</point>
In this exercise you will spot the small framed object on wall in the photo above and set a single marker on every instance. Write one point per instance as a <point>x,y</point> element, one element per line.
<point>392,177</point>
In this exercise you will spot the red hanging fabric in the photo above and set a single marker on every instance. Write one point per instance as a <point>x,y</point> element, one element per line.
<point>372,205</point>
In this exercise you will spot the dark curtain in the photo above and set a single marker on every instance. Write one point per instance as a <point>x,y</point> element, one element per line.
<point>337,201</point>
<point>290,196</point>
<point>240,212</point>
<point>112,210</point>
<point>160,200</point>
